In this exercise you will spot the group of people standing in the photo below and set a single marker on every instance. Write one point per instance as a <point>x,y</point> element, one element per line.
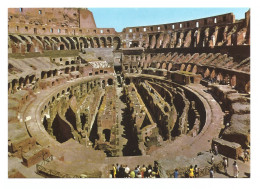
<point>123,171</point>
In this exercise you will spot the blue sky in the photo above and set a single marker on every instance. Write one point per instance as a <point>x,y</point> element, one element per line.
<point>120,18</point>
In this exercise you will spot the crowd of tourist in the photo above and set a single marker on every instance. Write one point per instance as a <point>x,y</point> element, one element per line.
<point>123,171</point>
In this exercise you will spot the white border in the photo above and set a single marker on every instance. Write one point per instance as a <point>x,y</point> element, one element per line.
<point>127,183</point>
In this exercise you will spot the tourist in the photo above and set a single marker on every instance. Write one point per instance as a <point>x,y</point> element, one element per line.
<point>191,173</point>
<point>121,172</point>
<point>127,171</point>
<point>212,159</point>
<point>136,171</point>
<point>139,175</point>
<point>246,156</point>
<point>196,171</point>
<point>156,170</point>
<point>216,149</point>
<point>176,173</point>
<point>114,171</point>
<point>153,175</point>
<point>132,174</point>
<point>235,169</point>
<point>143,170</point>
<point>117,167</point>
<point>149,171</point>
<point>225,165</point>
<point>211,173</point>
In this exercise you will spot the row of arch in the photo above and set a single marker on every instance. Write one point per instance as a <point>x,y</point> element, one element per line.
<point>17,84</point>
<point>211,74</point>
<point>201,37</point>
<point>33,43</point>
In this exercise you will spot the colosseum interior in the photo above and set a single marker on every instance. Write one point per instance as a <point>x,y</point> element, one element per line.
<point>82,98</point>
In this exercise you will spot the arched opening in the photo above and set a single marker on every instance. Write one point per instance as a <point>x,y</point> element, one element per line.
<point>110,81</point>
<point>109,42</point>
<point>43,75</point>
<point>83,119</point>
<point>233,81</point>
<point>116,43</point>
<point>103,42</point>
<point>61,130</point>
<point>163,65</point>
<point>247,87</point>
<point>103,84</point>
<point>127,81</point>
<point>45,123</point>
<point>67,70</point>
<point>62,47</point>
<point>188,68</point>
<point>166,109</point>
<point>71,117</point>
<point>107,134</point>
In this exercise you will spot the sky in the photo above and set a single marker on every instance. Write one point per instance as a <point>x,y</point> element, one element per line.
<point>120,18</point>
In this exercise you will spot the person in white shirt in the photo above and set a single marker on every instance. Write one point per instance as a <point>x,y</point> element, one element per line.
<point>235,169</point>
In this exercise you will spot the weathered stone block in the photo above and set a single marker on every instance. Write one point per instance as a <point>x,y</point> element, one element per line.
<point>239,131</point>
<point>226,148</point>
<point>35,156</point>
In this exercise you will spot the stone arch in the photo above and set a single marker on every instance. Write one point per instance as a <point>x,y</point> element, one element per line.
<point>14,84</point>
<point>169,67</point>
<point>110,81</point>
<point>21,82</point>
<point>90,42</point>
<point>18,45</point>
<point>83,42</point>
<point>66,42</point>
<point>219,77</point>
<point>194,69</point>
<point>72,43</point>
<point>61,129</point>
<point>103,43</point>
<point>188,68</point>
<point>152,41</point>
<point>29,43</point>
<point>109,42</point>
<point>206,73</point>
<point>96,42</point>
<point>164,65</point>
<point>43,75</point>
<point>116,43</point>
<point>45,123</point>
<point>61,46</point>
<point>71,117</point>
<point>72,69</point>
<point>54,43</point>
<point>127,81</point>
<point>75,39</point>
<point>47,43</point>
<point>158,40</point>
<point>213,74</point>
<point>49,73</point>
<point>182,67</point>
<point>67,70</point>
<point>107,133</point>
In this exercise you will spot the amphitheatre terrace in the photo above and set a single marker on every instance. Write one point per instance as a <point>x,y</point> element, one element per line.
<point>81,98</point>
